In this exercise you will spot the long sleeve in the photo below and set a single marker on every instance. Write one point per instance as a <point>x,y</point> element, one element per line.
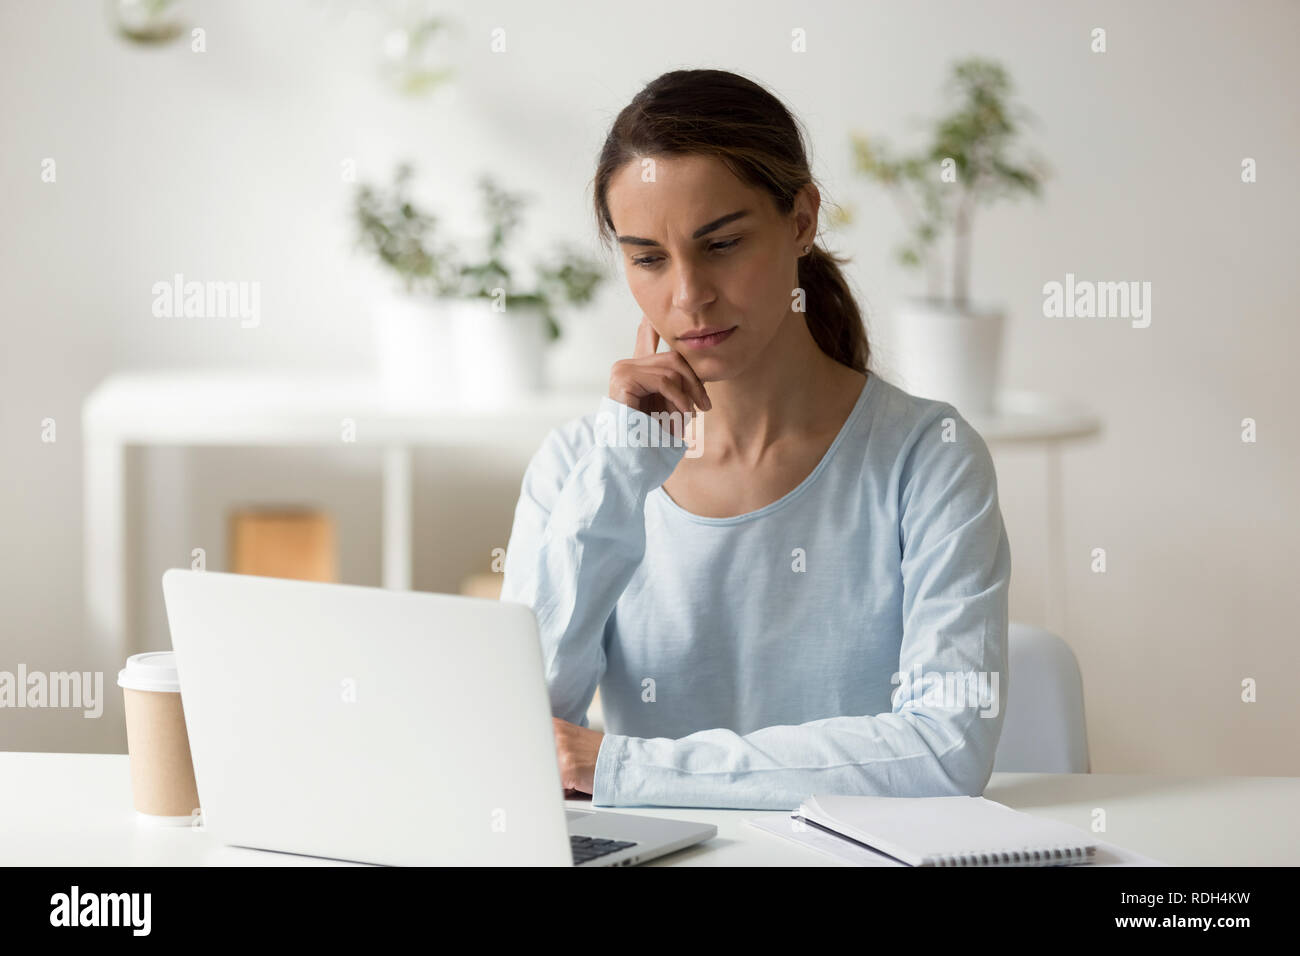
<point>947,711</point>
<point>578,536</point>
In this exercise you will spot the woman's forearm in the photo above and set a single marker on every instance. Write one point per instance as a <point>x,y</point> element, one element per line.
<point>578,537</point>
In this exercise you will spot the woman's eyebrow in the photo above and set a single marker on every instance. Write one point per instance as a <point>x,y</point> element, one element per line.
<point>702,231</point>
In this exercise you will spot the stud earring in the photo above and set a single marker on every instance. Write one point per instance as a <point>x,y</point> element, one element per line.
<point>806,248</point>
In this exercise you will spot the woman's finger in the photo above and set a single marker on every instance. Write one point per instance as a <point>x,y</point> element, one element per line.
<point>691,380</point>
<point>647,339</point>
<point>671,388</point>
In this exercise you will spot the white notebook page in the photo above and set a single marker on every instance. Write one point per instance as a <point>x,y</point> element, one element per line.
<point>921,830</point>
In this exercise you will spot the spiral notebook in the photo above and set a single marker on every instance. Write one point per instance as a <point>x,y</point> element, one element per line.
<point>947,831</point>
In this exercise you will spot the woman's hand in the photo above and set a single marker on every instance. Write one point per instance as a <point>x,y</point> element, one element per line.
<point>576,749</point>
<point>655,382</point>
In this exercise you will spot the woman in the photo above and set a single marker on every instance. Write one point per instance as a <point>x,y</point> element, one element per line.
<point>795,604</point>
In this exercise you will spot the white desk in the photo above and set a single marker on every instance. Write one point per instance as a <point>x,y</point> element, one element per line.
<point>242,409</point>
<point>75,810</point>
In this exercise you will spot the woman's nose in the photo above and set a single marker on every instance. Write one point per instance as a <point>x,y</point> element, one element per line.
<point>692,290</point>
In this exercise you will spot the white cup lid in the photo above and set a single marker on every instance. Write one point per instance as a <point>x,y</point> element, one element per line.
<point>154,670</point>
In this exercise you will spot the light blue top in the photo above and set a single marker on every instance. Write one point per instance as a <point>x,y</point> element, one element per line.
<point>848,638</point>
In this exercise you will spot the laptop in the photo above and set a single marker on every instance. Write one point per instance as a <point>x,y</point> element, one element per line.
<point>379,726</point>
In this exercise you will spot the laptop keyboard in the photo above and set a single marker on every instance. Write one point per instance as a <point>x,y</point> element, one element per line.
<point>589,848</point>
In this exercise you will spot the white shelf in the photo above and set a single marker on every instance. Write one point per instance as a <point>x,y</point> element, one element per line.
<point>222,408</point>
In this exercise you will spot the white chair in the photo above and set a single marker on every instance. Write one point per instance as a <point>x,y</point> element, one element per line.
<point>1043,730</point>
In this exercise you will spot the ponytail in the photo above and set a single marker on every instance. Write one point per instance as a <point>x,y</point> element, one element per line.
<point>832,313</point>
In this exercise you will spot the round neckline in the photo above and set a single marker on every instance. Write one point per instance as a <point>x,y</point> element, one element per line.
<point>794,492</point>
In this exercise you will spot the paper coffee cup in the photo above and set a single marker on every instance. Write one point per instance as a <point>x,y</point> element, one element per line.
<point>162,773</point>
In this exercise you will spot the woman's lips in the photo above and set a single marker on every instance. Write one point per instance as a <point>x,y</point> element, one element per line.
<point>706,341</point>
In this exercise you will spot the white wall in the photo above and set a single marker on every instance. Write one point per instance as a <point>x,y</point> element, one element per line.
<point>226,165</point>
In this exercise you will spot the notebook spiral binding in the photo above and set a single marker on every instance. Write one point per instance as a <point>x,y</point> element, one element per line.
<point>1052,856</point>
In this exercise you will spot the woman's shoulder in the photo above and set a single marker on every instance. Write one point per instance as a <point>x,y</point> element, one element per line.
<point>905,432</point>
<point>903,412</point>
<point>610,424</point>
<point>564,444</point>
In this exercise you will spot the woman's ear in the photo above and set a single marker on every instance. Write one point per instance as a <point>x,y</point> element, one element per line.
<point>807,203</point>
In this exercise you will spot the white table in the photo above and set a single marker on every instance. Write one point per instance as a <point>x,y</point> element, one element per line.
<point>75,810</point>
<point>244,409</point>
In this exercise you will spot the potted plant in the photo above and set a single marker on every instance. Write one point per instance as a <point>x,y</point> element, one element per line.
<point>416,51</point>
<point>147,22</point>
<point>461,322</point>
<point>946,346</point>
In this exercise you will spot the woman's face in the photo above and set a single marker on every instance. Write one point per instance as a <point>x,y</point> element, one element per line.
<point>707,253</point>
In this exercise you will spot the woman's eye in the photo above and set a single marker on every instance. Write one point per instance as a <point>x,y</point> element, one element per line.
<point>647,262</point>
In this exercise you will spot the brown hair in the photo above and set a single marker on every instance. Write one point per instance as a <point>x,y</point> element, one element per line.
<point>722,114</point>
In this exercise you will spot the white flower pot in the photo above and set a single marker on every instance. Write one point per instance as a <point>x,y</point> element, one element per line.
<point>434,351</point>
<point>413,350</point>
<point>500,356</point>
<point>949,354</point>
